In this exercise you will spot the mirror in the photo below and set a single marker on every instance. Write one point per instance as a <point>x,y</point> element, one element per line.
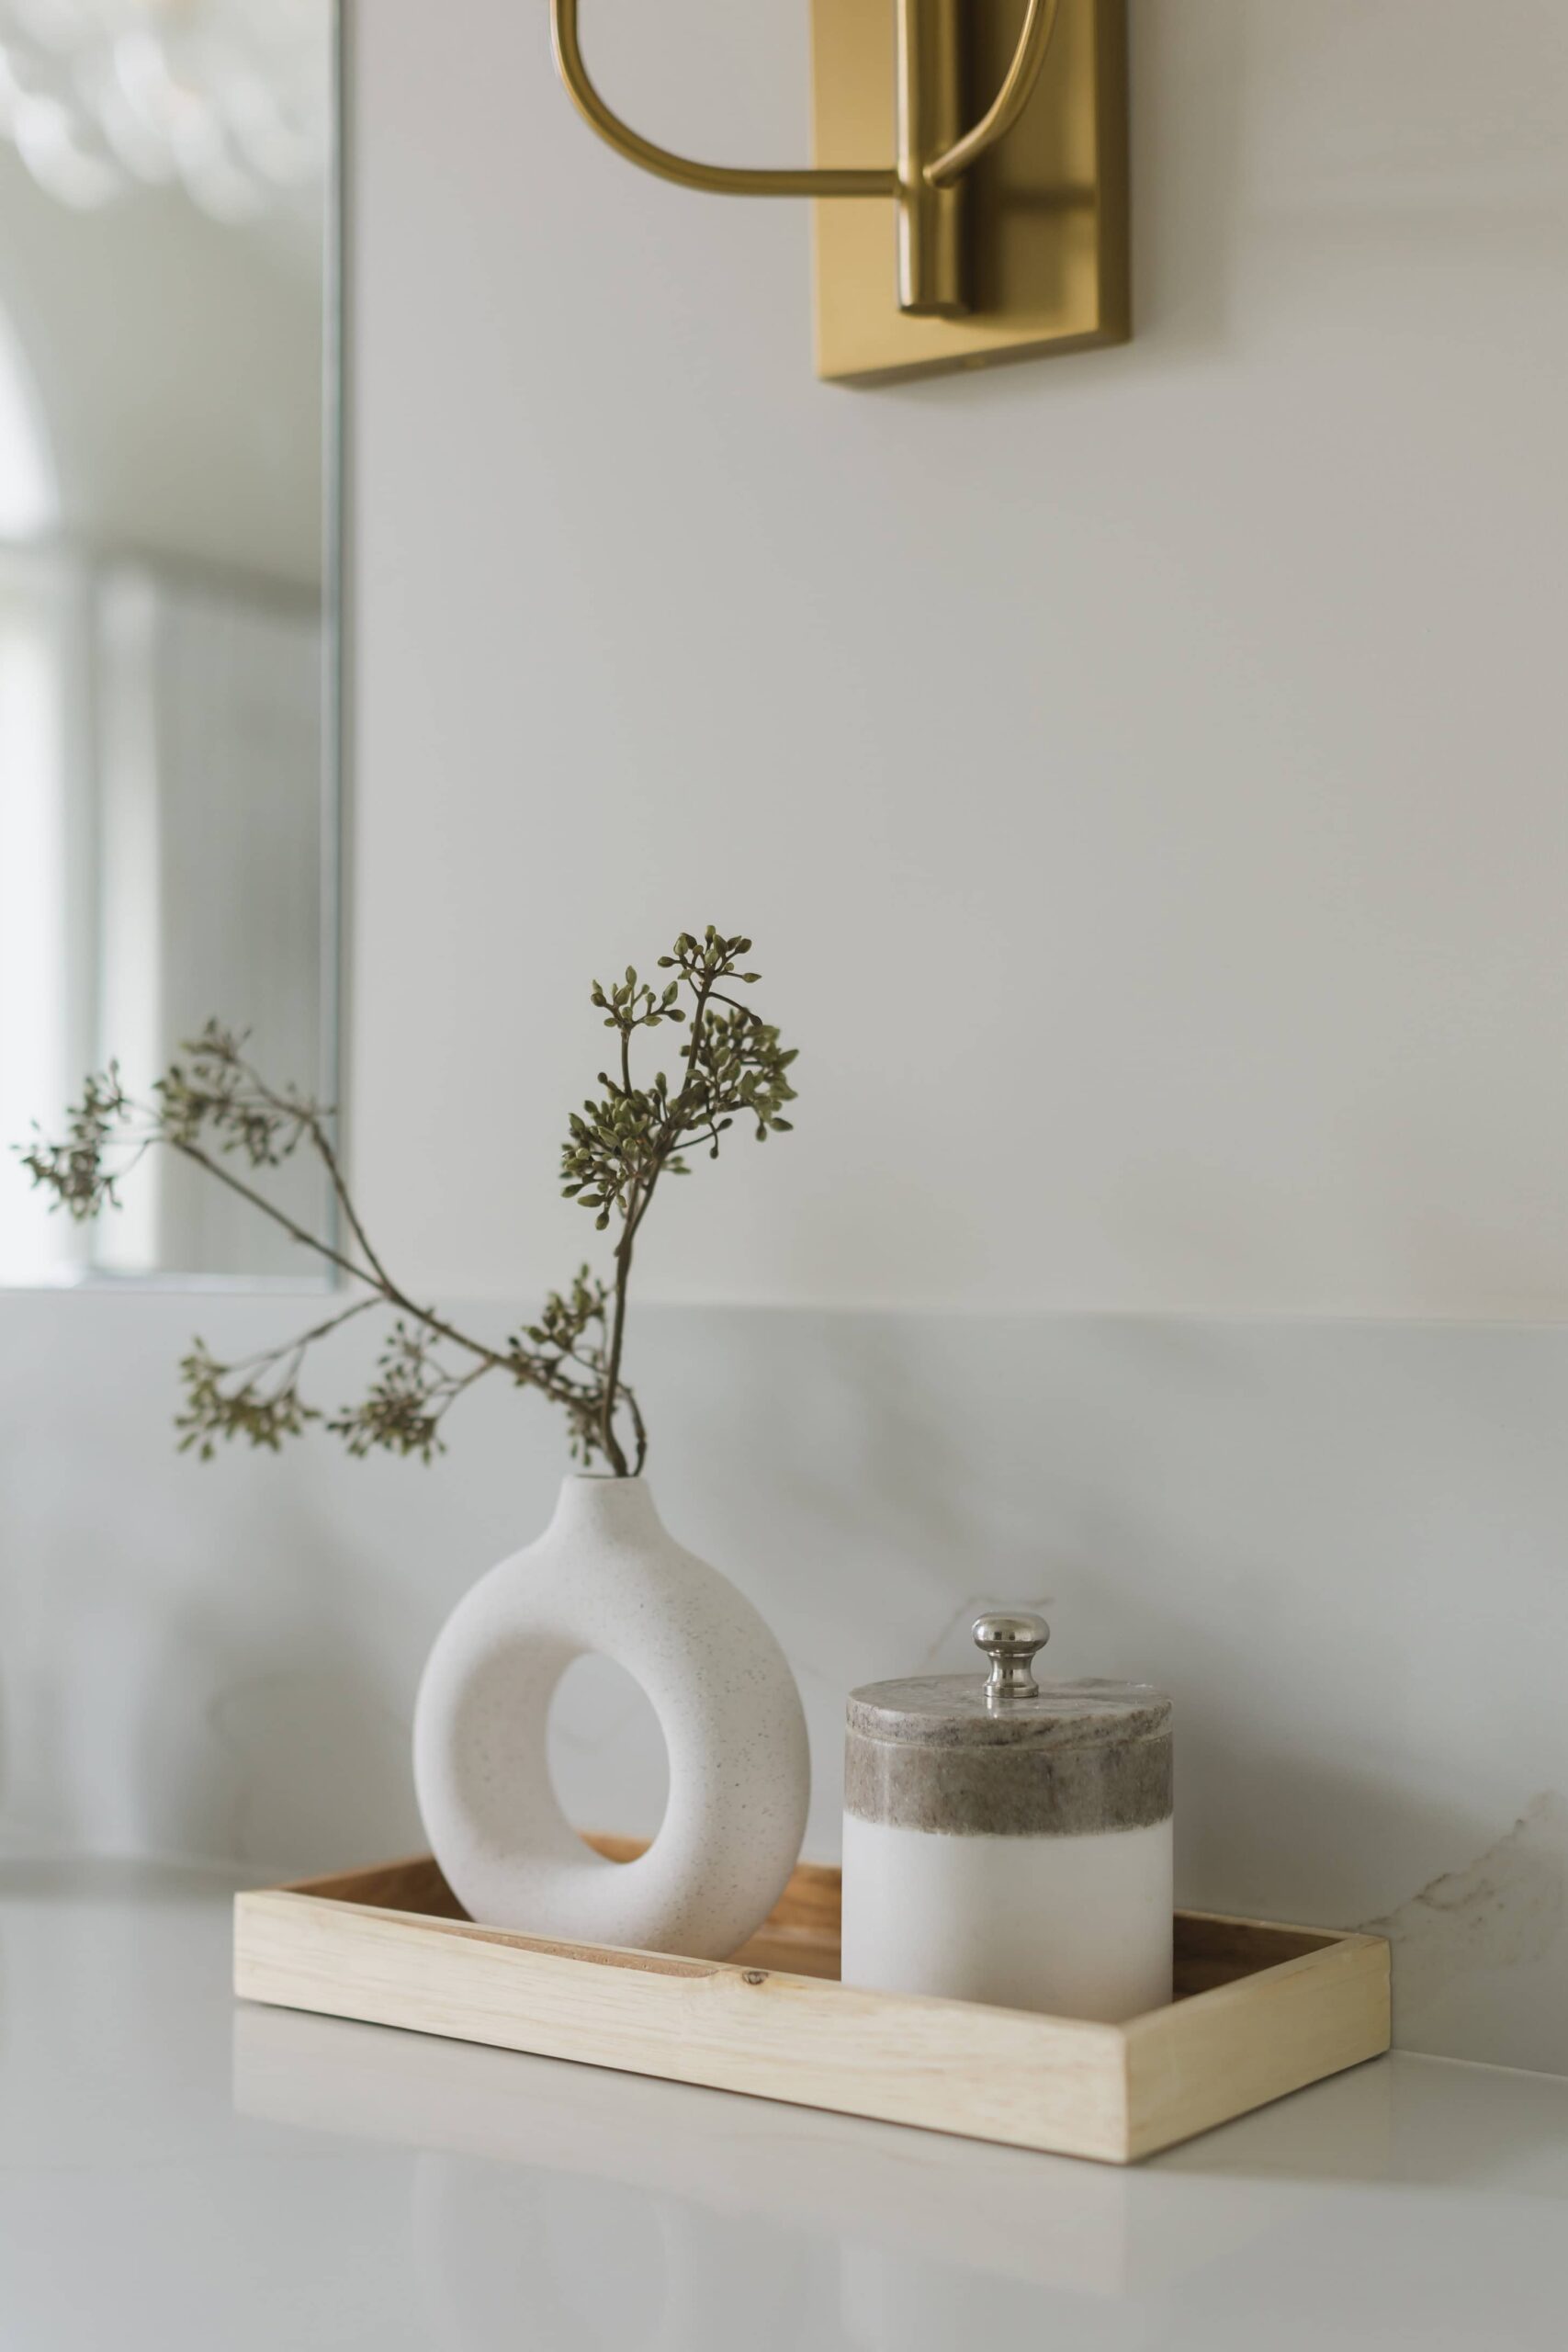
<point>168,794</point>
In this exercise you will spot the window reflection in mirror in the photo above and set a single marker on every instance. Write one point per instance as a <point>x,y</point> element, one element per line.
<point>167,808</point>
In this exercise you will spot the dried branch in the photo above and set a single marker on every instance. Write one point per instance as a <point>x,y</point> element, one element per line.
<point>214,1109</point>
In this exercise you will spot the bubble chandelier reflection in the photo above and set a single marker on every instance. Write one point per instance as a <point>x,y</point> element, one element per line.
<point>229,99</point>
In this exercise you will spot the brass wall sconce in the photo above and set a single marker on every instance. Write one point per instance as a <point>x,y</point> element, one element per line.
<point>1006,241</point>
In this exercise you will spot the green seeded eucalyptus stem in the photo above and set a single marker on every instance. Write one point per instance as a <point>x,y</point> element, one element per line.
<point>213,1109</point>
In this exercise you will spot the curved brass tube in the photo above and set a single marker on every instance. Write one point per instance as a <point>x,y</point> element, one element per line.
<point>717,179</point>
<point>1010,101</point>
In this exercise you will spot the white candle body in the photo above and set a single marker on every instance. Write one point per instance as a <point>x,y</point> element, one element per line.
<point>1080,1925</point>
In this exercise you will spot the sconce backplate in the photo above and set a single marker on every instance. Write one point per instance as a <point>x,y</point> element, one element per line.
<point>1046,212</point>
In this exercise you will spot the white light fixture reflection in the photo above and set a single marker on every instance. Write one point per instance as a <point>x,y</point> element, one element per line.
<point>230,99</point>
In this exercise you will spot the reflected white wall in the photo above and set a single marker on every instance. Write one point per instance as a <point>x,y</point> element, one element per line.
<point>32,905</point>
<point>164,700</point>
<point>210,881</point>
<point>28,495</point>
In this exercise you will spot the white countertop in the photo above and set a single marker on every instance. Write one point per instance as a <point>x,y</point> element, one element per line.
<point>179,2171</point>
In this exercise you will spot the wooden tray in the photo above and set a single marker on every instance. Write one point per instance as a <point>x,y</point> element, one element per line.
<point>1260,2010</point>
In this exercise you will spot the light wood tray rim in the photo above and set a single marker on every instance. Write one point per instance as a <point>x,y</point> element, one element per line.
<point>1265,2008</point>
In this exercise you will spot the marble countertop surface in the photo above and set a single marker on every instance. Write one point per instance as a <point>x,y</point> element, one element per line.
<point>180,2171</point>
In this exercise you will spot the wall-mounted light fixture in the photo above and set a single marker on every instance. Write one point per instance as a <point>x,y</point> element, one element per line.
<point>1001,242</point>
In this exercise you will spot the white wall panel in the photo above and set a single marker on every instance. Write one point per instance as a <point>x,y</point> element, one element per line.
<point>1178,732</point>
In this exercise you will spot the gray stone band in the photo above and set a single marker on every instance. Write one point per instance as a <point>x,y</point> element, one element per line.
<point>1033,1790</point>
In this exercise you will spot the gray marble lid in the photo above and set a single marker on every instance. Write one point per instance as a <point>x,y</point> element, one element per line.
<point>953,1711</point>
<point>1004,1756</point>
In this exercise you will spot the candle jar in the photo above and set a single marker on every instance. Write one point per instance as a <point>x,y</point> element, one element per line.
<point>1007,1841</point>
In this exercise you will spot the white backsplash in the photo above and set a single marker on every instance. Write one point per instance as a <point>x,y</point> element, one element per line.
<point>1340,1547</point>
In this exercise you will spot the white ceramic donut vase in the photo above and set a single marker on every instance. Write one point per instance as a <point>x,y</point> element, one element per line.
<point>606,1577</point>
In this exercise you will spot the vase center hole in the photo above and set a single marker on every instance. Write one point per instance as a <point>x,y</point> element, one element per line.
<point>609,1766</point>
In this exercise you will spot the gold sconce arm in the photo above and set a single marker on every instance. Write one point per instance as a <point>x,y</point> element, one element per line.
<point>716,179</point>
<point>935,205</point>
<point>945,170</point>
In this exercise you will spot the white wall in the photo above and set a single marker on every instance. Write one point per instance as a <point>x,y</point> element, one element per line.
<point>1178,732</point>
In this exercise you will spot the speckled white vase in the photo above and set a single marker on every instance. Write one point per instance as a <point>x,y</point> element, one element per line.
<point>606,1577</point>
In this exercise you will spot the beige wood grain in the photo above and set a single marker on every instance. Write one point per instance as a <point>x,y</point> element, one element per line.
<point>1210,1949</point>
<point>993,2074</point>
<point>1224,2052</point>
<point>1281,2008</point>
<point>415,1884</point>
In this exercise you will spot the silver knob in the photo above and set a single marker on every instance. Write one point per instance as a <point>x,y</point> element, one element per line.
<point>1011,1642</point>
